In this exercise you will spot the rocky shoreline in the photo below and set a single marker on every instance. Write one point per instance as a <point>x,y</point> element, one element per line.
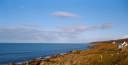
<point>36,61</point>
<point>99,53</point>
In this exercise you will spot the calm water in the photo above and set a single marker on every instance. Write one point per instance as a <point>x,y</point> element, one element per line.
<point>17,52</point>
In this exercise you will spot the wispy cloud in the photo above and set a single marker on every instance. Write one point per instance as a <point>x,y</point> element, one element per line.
<point>64,14</point>
<point>62,34</point>
<point>83,28</point>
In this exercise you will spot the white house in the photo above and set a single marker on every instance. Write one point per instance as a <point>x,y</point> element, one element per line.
<point>122,45</point>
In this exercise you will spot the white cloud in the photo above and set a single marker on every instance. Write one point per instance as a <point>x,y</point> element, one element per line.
<point>106,26</point>
<point>64,14</point>
<point>30,32</point>
<point>74,28</point>
<point>25,33</point>
<point>82,28</point>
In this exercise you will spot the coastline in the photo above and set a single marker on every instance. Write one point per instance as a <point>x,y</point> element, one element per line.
<point>38,59</point>
<point>45,58</point>
<point>20,52</point>
<point>98,53</point>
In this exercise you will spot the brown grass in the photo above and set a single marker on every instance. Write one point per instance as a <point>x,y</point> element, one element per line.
<point>99,54</point>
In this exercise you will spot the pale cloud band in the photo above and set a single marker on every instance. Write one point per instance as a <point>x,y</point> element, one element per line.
<point>63,34</point>
<point>83,28</point>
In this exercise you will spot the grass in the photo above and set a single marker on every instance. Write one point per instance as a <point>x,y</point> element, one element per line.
<point>99,54</point>
<point>104,53</point>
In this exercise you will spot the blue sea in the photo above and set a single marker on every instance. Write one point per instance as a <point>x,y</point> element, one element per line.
<point>18,52</point>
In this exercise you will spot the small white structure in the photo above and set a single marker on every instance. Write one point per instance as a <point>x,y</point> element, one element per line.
<point>122,45</point>
<point>113,42</point>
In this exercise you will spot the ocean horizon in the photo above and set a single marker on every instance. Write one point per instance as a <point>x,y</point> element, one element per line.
<point>20,52</point>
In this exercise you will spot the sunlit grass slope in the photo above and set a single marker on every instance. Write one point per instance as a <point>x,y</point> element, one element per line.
<point>100,53</point>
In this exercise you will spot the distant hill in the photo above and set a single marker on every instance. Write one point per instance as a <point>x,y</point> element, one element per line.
<point>110,41</point>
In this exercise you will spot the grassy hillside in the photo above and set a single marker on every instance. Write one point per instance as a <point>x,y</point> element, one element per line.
<point>100,53</point>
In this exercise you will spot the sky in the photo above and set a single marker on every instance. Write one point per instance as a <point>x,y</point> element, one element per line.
<point>63,21</point>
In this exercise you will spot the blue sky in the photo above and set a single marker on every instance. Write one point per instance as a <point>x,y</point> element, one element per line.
<point>62,20</point>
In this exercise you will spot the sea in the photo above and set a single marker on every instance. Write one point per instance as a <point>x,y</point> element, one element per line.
<point>19,52</point>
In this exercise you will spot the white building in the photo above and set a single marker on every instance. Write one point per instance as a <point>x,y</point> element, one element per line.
<point>122,45</point>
